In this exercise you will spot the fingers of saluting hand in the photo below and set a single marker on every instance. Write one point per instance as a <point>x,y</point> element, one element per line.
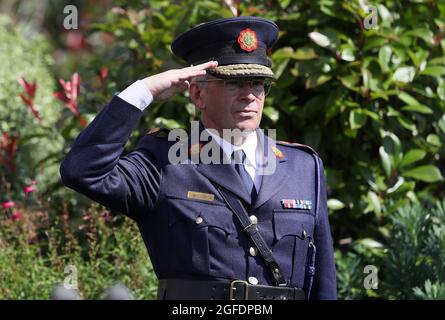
<point>198,70</point>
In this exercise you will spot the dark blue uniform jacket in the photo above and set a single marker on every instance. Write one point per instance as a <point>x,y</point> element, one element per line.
<point>154,193</point>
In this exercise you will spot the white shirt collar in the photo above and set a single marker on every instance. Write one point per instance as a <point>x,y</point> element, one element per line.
<point>249,147</point>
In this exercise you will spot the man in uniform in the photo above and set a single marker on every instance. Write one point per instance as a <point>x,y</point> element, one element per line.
<point>220,230</point>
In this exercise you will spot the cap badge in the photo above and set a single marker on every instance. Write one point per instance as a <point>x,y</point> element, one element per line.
<point>247,40</point>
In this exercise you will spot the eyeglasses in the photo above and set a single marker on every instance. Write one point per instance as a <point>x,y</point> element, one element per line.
<point>259,87</point>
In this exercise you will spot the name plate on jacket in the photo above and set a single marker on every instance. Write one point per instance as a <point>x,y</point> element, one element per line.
<point>200,196</point>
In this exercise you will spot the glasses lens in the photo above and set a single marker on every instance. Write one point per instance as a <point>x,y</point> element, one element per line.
<point>233,85</point>
<point>267,86</point>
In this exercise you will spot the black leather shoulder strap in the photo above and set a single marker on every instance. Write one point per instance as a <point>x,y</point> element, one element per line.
<point>237,207</point>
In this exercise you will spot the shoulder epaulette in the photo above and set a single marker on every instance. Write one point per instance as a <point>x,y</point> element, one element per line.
<point>159,132</point>
<point>299,146</point>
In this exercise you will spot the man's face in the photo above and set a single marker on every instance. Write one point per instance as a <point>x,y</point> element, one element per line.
<point>232,104</point>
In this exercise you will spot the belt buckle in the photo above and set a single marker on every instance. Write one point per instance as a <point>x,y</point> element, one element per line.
<point>232,289</point>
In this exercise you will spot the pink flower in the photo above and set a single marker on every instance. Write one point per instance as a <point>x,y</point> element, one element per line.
<point>107,216</point>
<point>8,204</point>
<point>29,189</point>
<point>86,217</point>
<point>16,215</point>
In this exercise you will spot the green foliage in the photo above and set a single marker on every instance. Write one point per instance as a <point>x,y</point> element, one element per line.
<point>39,143</point>
<point>370,101</point>
<point>409,260</point>
<point>36,250</point>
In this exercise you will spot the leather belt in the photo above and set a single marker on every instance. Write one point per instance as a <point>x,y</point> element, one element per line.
<point>180,289</point>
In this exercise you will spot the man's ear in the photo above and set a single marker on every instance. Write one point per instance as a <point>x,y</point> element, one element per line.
<point>196,92</point>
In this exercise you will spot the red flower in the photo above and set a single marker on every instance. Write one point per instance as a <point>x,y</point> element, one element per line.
<point>8,204</point>
<point>8,146</point>
<point>28,97</point>
<point>70,92</point>
<point>16,215</point>
<point>75,40</point>
<point>103,74</point>
<point>30,88</point>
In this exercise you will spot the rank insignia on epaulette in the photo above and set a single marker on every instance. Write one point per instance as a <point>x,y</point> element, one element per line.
<point>277,152</point>
<point>296,204</point>
<point>159,132</point>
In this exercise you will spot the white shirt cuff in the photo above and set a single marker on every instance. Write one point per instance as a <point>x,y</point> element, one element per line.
<point>137,94</point>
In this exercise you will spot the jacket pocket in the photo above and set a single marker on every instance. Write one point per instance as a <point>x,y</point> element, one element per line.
<point>292,230</point>
<point>205,232</point>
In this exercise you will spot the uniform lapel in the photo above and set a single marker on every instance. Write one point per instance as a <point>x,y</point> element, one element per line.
<point>271,183</point>
<point>223,174</point>
<point>226,176</point>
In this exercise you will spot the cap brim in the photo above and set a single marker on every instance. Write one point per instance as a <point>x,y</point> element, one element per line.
<point>242,71</point>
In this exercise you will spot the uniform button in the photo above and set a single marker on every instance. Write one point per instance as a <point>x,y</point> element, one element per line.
<point>253,219</point>
<point>253,280</point>
<point>253,251</point>
<point>199,220</point>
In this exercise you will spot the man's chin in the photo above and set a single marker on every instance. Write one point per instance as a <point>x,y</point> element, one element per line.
<point>246,126</point>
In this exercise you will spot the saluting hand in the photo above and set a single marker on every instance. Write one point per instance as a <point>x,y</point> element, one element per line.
<point>166,84</point>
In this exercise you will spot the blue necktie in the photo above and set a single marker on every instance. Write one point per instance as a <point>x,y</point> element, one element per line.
<point>239,158</point>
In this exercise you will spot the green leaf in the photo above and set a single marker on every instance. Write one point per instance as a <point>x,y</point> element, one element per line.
<point>422,33</point>
<point>350,81</point>
<point>374,202</point>
<point>347,54</point>
<point>406,123</point>
<point>384,58</point>
<point>391,143</point>
<point>435,71</point>
<point>412,156</point>
<point>418,108</point>
<point>404,74</point>
<point>334,204</point>
<point>427,173</point>
<point>304,54</point>
<point>357,119</point>
<point>396,186</point>
<point>320,39</point>
<point>272,113</point>
<point>441,123</point>
<point>386,161</point>
<point>441,90</point>
<point>370,243</point>
<point>407,98</point>
<point>434,140</point>
<point>373,42</point>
